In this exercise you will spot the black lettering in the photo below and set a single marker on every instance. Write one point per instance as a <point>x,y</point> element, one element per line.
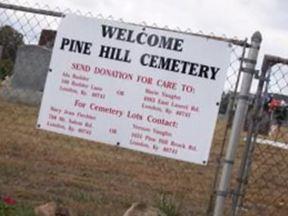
<point>193,67</point>
<point>104,51</point>
<point>129,38</point>
<point>118,54</point>
<point>65,42</point>
<point>164,63</point>
<point>140,36</point>
<point>71,46</point>
<point>142,59</point>
<point>178,45</point>
<point>153,40</point>
<point>214,72</point>
<point>203,71</point>
<point>78,46</point>
<point>87,47</point>
<point>126,56</point>
<point>121,34</point>
<point>108,30</point>
<point>112,53</point>
<point>165,43</point>
<point>184,67</point>
<point>153,61</point>
<point>175,65</point>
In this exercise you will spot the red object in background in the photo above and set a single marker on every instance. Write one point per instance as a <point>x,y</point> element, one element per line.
<point>274,104</point>
<point>8,200</point>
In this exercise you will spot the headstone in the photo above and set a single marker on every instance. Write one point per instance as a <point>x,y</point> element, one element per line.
<point>31,67</point>
<point>29,74</point>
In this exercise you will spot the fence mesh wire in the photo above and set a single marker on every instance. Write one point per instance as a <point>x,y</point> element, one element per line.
<point>37,166</point>
<point>267,188</point>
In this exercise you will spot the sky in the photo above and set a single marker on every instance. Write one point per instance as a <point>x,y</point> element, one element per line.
<point>233,18</point>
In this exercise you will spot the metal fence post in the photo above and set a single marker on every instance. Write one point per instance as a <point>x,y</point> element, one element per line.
<point>250,139</point>
<point>241,110</point>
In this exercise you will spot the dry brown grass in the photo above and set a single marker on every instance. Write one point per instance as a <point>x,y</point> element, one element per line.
<point>92,178</point>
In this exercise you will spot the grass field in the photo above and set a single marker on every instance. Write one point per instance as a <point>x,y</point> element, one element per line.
<point>92,178</point>
<point>97,179</point>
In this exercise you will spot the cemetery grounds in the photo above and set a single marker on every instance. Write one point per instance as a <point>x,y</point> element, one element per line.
<point>92,178</point>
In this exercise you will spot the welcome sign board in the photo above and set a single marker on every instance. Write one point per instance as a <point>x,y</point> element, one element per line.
<point>136,87</point>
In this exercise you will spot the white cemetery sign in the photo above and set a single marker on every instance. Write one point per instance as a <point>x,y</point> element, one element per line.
<point>140,88</point>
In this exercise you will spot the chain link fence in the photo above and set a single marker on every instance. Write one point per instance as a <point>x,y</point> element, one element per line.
<point>263,184</point>
<point>38,166</point>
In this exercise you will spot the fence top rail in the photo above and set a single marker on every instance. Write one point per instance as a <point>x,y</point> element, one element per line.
<point>233,41</point>
<point>270,60</point>
<point>31,10</point>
